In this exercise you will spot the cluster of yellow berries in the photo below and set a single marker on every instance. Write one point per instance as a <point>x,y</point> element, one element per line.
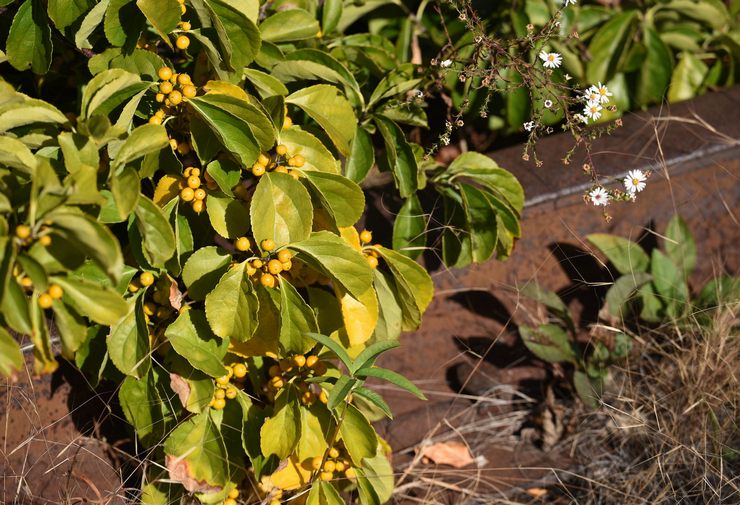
<point>231,499</point>
<point>224,387</point>
<point>298,367</point>
<point>266,269</point>
<point>24,232</point>
<point>191,191</point>
<point>371,255</point>
<point>46,299</point>
<point>278,163</point>
<point>158,306</point>
<point>183,9</point>
<point>336,463</point>
<point>168,95</point>
<point>182,148</point>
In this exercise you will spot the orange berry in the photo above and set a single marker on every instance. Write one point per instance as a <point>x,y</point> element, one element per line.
<point>366,236</point>
<point>268,244</point>
<point>277,382</point>
<point>274,267</point>
<point>274,371</point>
<point>175,97</point>
<point>189,91</point>
<point>219,393</point>
<point>200,194</point>
<point>194,181</point>
<point>299,360</point>
<point>258,170</point>
<point>372,261</point>
<point>267,280</point>
<point>287,123</point>
<point>26,282</point>
<point>182,42</point>
<point>257,263</point>
<point>282,169</point>
<point>350,473</point>
<point>230,501</point>
<point>316,462</point>
<point>284,255</point>
<point>311,361</point>
<point>155,120</point>
<point>195,171</point>
<point>164,73</point>
<point>263,159</point>
<point>329,466</point>
<point>159,97</point>
<point>187,194</point>
<point>242,244</point>
<point>198,206</point>
<point>287,265</point>
<point>183,79</point>
<point>165,87</point>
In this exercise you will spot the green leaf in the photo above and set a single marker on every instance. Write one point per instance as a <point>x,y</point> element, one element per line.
<point>330,110</point>
<point>72,329</point>
<point>375,399</point>
<point>399,157</point>
<point>588,389</point>
<point>90,22</point>
<point>228,216</point>
<point>548,342</point>
<point>480,216</point>
<point>29,111</point>
<point>409,228</point>
<point>124,187</point>
<point>99,303</point>
<point>358,436</point>
<point>656,69</point>
<point>412,280</point>
<point>15,154</point>
<point>239,32</point>
<point>297,319</point>
<point>29,40</point>
<point>392,377</point>
<point>191,337</point>
<point>711,13</point>
<point>361,157</point>
<point>108,90</point>
<point>623,290</point>
<point>608,45</point>
<point>143,140</point>
<point>390,314</point>
<point>343,199</point>
<point>128,341</point>
<point>15,309</point>
<point>193,387</point>
<point>11,357</point>
<point>626,256</point>
<point>232,306</point>
<point>323,493</point>
<point>281,210</point>
<point>332,256</point>
<point>282,431</point>
<point>253,116</point>
<point>266,84</point>
<point>123,23</point>
<point>66,12</point>
<point>156,232</point>
<point>317,156</point>
<point>379,474</point>
<point>203,270</point>
<point>669,281</point>
<point>339,392</point>
<point>680,245</point>
<point>485,171</point>
<point>371,352</point>
<point>688,75</point>
<point>142,406</point>
<point>226,173</point>
<point>331,13</point>
<point>289,25</point>
<point>162,14</point>
<point>549,299</point>
<point>333,346</point>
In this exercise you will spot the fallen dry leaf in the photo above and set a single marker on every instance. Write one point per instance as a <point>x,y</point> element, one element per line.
<point>454,454</point>
<point>537,492</point>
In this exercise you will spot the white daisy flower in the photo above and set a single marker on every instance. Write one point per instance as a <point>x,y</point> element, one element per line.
<point>592,95</point>
<point>551,60</point>
<point>635,181</point>
<point>548,104</point>
<point>599,196</point>
<point>529,126</point>
<point>602,91</point>
<point>593,110</point>
<point>445,63</point>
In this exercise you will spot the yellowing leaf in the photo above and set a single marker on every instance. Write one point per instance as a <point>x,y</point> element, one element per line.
<point>291,474</point>
<point>349,234</point>
<point>360,315</point>
<point>226,88</point>
<point>167,188</point>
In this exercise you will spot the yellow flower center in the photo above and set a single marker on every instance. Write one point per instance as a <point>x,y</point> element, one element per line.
<point>635,181</point>
<point>551,57</point>
<point>602,91</point>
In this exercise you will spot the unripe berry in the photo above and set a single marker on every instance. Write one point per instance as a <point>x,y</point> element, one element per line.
<point>366,236</point>
<point>240,370</point>
<point>164,73</point>
<point>194,181</point>
<point>187,194</point>
<point>182,42</point>
<point>258,170</point>
<point>242,244</point>
<point>268,244</point>
<point>189,91</point>
<point>281,149</point>
<point>200,194</point>
<point>45,301</point>
<point>56,291</point>
<point>198,206</point>
<point>175,97</point>
<point>267,280</point>
<point>165,87</point>
<point>274,267</point>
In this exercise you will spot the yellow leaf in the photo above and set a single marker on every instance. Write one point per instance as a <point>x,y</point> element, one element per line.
<point>291,474</point>
<point>167,188</point>
<point>226,88</point>
<point>360,316</point>
<point>255,346</point>
<point>350,235</point>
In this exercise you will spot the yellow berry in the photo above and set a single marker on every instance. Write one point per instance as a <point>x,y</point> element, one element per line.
<point>281,149</point>
<point>257,263</point>
<point>298,161</point>
<point>339,467</point>
<point>45,301</point>
<point>267,280</point>
<point>187,172</point>
<point>150,308</point>
<point>155,120</point>
<point>160,113</point>
<point>45,240</point>
<point>187,194</point>
<point>234,493</point>
<point>182,42</point>
<point>323,397</point>
<point>223,380</point>
<point>219,393</point>
<point>287,265</point>
<point>299,360</point>
<point>219,403</point>
<point>184,25</point>
<point>277,382</point>
<point>189,91</point>
<point>316,462</point>
<point>173,144</point>
<point>194,181</point>
<point>175,97</point>
<point>274,267</point>
<point>366,236</point>
<point>263,159</point>
<point>165,87</point>
<point>258,170</point>
<point>194,171</point>
<point>372,261</point>
<point>251,270</point>
<point>183,79</point>
<point>240,370</point>
<point>333,453</point>
<point>311,361</point>
<point>268,244</point>
<point>26,282</point>
<point>281,169</point>
<point>274,371</point>
<point>231,393</point>
<point>56,291</point>
<point>350,473</point>
<point>200,194</point>
<point>284,255</point>
<point>183,9</point>
<point>230,501</point>
<point>242,244</point>
<point>164,73</point>
<point>329,466</point>
<point>146,279</point>
<point>327,475</point>
<point>133,287</point>
<point>287,123</point>
<point>183,148</point>
<point>159,97</point>
<point>198,206</point>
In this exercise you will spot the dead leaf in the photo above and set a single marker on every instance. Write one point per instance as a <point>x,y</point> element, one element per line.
<point>179,470</point>
<point>454,454</point>
<point>176,296</point>
<point>537,492</point>
<point>181,387</point>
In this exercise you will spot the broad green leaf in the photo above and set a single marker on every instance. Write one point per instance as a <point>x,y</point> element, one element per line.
<point>608,44</point>
<point>228,216</point>
<point>266,84</point>
<point>297,319</point>
<point>656,69</point>
<point>361,157</point>
<point>128,341</point>
<point>191,337</point>
<point>44,361</point>
<point>143,140</point>
<point>623,290</point>
<point>203,270</point>
<point>486,171</point>
<point>125,187</point>
<point>687,77</point>
<point>332,256</point>
<point>123,23</point>
<point>323,493</point>
<point>29,111</point>
<point>396,83</point>
<point>15,154</point>
<point>481,217</point>
<point>193,387</point>
<point>680,245</point>
<point>139,61</point>
<point>325,104</point>
<point>89,23</point>
<point>412,280</point>
<point>72,329</point>
<point>289,25</point>
<point>158,237</point>
<point>342,198</point>
<point>626,256</point>
<point>281,210</point>
<point>265,339</point>
<point>587,388</point>
<point>162,14</point>
<point>196,454</point>
<point>375,399</point>
<point>669,281</point>
<point>231,308</point>
<point>226,173</point>
<point>29,40</point>
<point>371,352</point>
<point>11,358</point>
<point>409,228</point>
<point>379,473</point>
<point>399,157</point>
<point>390,317</point>
<point>142,406</point>
<point>317,156</point>
<point>549,299</point>
<point>15,308</point>
<point>238,24</point>
<point>711,13</point>
<point>66,12</point>
<point>99,303</point>
<point>249,114</point>
<point>358,436</point>
<point>108,90</point>
<point>548,342</point>
<point>392,377</point>
<point>282,431</point>
<point>315,428</point>
<point>331,13</point>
